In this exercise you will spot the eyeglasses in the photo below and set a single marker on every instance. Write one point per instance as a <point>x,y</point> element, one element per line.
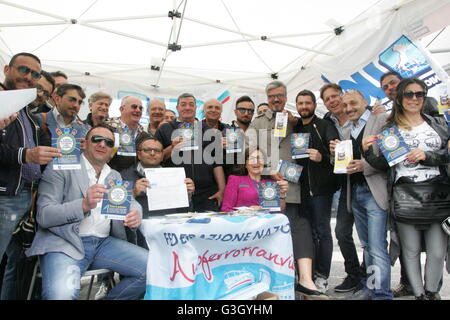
<point>135,106</point>
<point>245,110</point>
<point>45,92</point>
<point>418,94</point>
<point>24,70</point>
<point>149,150</point>
<point>73,99</point>
<point>276,96</point>
<point>97,139</point>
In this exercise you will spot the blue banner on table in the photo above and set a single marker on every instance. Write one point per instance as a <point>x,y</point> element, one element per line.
<point>189,133</point>
<point>235,140</point>
<point>393,146</point>
<point>67,141</point>
<point>269,195</point>
<point>127,144</point>
<point>116,202</point>
<point>219,258</point>
<point>299,145</point>
<point>290,171</point>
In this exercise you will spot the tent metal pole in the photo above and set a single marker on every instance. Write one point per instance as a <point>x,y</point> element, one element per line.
<point>252,36</point>
<point>444,50</point>
<point>33,24</point>
<point>125,18</point>
<point>122,34</point>
<point>11,4</point>
<point>302,35</point>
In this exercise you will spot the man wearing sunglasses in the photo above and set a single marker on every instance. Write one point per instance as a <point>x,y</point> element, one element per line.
<point>44,87</point>
<point>389,82</point>
<point>69,99</point>
<point>24,151</point>
<point>126,125</point>
<point>73,236</point>
<point>244,111</point>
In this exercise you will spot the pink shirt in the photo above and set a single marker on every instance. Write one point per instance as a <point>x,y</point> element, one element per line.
<point>240,191</point>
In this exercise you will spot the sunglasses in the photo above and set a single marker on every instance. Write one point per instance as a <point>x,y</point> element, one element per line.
<point>418,94</point>
<point>73,99</point>
<point>45,92</point>
<point>149,150</point>
<point>245,110</point>
<point>24,70</point>
<point>97,139</point>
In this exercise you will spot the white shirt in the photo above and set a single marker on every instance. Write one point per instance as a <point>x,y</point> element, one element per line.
<point>422,137</point>
<point>361,123</point>
<point>60,120</point>
<point>95,224</point>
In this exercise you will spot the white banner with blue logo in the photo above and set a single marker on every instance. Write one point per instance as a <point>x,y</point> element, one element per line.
<point>225,257</point>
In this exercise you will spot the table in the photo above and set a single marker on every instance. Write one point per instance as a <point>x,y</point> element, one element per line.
<point>219,257</point>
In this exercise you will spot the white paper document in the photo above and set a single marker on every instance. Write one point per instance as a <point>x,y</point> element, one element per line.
<point>167,188</point>
<point>14,100</point>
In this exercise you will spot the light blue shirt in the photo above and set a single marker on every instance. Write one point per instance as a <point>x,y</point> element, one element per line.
<point>361,123</point>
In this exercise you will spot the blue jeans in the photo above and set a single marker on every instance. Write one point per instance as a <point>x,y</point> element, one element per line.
<point>319,212</point>
<point>61,274</point>
<point>371,225</point>
<point>12,210</point>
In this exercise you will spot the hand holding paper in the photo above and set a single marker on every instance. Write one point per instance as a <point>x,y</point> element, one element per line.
<point>41,155</point>
<point>132,219</point>
<point>94,195</point>
<point>6,121</point>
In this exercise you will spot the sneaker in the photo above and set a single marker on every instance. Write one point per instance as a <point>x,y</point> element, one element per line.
<point>402,290</point>
<point>321,284</point>
<point>432,295</point>
<point>350,283</point>
<point>102,291</point>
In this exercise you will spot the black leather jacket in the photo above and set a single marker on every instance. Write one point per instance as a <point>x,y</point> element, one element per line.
<point>13,153</point>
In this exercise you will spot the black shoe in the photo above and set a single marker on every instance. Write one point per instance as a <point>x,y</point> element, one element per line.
<point>422,297</point>
<point>402,290</point>
<point>309,294</point>
<point>350,283</point>
<point>432,295</point>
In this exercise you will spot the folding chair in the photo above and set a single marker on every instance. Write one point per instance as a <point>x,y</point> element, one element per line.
<point>88,273</point>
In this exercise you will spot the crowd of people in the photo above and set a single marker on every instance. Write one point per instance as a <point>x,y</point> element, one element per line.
<point>72,236</point>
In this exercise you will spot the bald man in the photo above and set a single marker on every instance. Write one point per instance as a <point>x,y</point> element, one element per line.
<point>128,127</point>
<point>156,112</point>
<point>213,112</point>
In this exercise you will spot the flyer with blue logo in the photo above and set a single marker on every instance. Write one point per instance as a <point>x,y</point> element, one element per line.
<point>269,195</point>
<point>189,133</point>
<point>235,140</point>
<point>116,202</point>
<point>67,141</point>
<point>127,144</point>
<point>299,145</point>
<point>290,171</point>
<point>393,146</point>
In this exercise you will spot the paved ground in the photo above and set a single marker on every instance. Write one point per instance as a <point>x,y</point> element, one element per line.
<point>336,277</point>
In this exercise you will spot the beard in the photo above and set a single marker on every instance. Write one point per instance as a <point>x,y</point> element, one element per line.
<point>307,115</point>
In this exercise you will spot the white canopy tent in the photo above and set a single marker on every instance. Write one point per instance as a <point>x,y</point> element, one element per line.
<point>208,47</point>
